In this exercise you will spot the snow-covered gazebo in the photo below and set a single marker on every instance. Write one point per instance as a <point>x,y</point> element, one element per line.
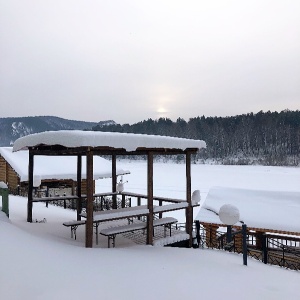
<point>87,144</point>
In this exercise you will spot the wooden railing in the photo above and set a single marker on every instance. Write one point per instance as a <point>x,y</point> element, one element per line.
<point>274,249</point>
<point>106,201</point>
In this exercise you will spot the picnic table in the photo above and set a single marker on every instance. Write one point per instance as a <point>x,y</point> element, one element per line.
<point>121,213</point>
<point>108,215</point>
<point>117,214</point>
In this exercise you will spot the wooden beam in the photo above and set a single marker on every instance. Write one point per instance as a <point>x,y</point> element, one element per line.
<point>114,179</point>
<point>30,186</point>
<point>150,198</point>
<point>89,205</point>
<point>79,179</point>
<point>64,151</point>
<point>189,209</point>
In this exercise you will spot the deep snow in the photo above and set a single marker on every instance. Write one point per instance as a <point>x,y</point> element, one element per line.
<point>40,261</point>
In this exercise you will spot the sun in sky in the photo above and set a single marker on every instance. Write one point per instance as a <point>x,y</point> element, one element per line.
<point>161,112</point>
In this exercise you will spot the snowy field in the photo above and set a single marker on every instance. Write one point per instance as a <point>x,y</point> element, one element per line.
<point>41,261</point>
<point>169,179</point>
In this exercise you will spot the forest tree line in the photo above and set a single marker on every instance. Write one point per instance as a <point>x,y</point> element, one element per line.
<point>268,138</point>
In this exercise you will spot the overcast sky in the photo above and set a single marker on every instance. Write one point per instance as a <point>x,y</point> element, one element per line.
<point>128,60</point>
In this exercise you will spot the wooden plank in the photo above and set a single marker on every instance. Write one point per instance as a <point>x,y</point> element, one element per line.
<point>61,150</point>
<point>49,199</point>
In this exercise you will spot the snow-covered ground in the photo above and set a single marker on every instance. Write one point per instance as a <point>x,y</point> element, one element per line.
<point>41,261</point>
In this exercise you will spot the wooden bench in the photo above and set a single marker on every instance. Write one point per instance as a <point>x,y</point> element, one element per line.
<point>166,222</point>
<point>74,225</point>
<point>112,232</point>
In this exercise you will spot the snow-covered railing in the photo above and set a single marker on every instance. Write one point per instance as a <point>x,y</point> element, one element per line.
<point>155,198</point>
<point>170,207</point>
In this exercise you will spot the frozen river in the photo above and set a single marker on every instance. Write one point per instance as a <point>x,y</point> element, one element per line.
<point>169,179</point>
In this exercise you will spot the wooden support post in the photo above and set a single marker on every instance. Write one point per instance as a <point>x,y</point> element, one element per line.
<point>189,209</point>
<point>30,186</point>
<point>150,199</point>
<point>79,179</point>
<point>114,179</point>
<point>89,204</point>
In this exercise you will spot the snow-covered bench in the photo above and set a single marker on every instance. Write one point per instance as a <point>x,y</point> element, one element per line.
<point>74,225</point>
<point>112,232</point>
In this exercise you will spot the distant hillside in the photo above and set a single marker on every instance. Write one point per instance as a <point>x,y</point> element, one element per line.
<point>14,128</point>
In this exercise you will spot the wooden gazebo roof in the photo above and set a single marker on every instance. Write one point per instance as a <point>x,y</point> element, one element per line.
<point>87,143</point>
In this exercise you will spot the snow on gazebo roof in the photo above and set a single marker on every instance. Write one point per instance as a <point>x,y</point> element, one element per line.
<point>272,210</point>
<point>55,167</point>
<point>127,141</point>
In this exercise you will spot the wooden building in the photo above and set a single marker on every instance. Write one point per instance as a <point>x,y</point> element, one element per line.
<point>272,220</point>
<point>262,211</point>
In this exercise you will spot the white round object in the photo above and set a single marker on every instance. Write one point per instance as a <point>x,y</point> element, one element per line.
<point>196,196</point>
<point>229,214</point>
<point>120,187</point>
<point>37,180</point>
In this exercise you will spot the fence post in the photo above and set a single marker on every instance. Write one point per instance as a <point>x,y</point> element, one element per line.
<point>229,234</point>
<point>160,214</point>
<point>244,233</point>
<point>198,232</point>
<point>123,201</point>
<point>139,204</point>
<point>264,249</point>
<point>4,194</point>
